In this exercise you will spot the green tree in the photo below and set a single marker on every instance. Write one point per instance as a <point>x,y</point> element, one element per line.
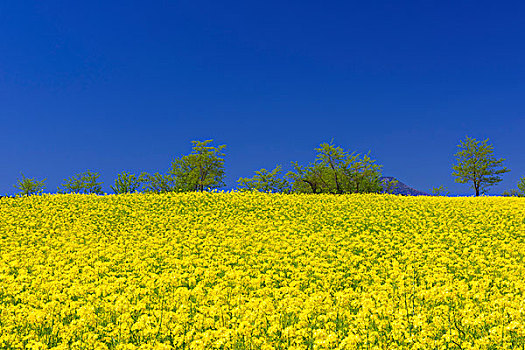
<point>512,193</point>
<point>201,170</point>
<point>389,184</point>
<point>520,192</point>
<point>29,186</point>
<point>477,165</point>
<point>439,191</point>
<point>521,185</point>
<point>266,181</point>
<point>364,175</point>
<point>126,183</point>
<point>334,159</point>
<point>157,183</point>
<point>336,171</point>
<point>313,178</point>
<point>85,182</point>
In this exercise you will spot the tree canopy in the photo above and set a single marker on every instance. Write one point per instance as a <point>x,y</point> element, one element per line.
<point>333,171</point>
<point>126,183</point>
<point>85,182</point>
<point>29,186</point>
<point>201,170</point>
<point>520,192</point>
<point>265,181</point>
<point>157,183</point>
<point>337,171</point>
<point>477,165</point>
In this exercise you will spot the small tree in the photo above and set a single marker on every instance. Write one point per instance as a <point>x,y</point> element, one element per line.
<point>364,174</point>
<point>85,182</point>
<point>200,170</point>
<point>439,191</point>
<point>265,181</point>
<point>29,186</point>
<point>157,183</point>
<point>477,165</point>
<point>521,185</point>
<point>333,158</point>
<point>125,183</point>
<point>520,192</point>
<point>512,193</point>
<point>313,178</point>
<point>336,171</point>
<point>389,184</point>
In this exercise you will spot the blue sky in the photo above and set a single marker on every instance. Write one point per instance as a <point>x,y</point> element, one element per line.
<point>126,85</point>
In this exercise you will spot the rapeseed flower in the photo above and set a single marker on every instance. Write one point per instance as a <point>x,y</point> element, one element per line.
<point>261,271</point>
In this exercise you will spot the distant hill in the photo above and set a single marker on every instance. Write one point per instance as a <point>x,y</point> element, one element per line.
<point>403,189</point>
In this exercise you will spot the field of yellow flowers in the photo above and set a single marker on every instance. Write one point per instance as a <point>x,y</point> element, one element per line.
<point>261,271</point>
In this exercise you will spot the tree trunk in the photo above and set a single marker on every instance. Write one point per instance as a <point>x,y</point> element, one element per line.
<point>337,186</point>
<point>312,186</point>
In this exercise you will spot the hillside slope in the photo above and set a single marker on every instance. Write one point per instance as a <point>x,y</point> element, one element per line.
<point>403,189</point>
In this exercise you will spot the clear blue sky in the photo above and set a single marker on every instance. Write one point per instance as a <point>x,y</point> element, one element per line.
<point>126,85</point>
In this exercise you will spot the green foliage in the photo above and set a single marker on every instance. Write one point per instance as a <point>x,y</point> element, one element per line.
<point>201,170</point>
<point>308,179</point>
<point>126,183</point>
<point>477,165</point>
<point>521,185</point>
<point>365,174</point>
<point>29,186</point>
<point>334,161</point>
<point>389,185</point>
<point>265,181</point>
<point>85,182</point>
<point>512,193</point>
<point>439,191</point>
<point>336,171</point>
<point>520,192</point>
<point>157,183</point>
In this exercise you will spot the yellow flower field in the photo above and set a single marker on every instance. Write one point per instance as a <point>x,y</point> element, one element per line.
<point>261,271</point>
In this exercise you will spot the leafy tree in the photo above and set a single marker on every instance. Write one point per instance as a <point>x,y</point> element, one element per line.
<point>439,191</point>
<point>521,185</point>
<point>157,183</point>
<point>29,186</point>
<point>265,181</point>
<point>365,174</point>
<point>200,170</point>
<point>85,182</point>
<point>477,165</point>
<point>389,184</point>
<point>126,183</point>
<point>312,178</point>
<point>336,171</point>
<point>334,159</point>
<point>520,192</point>
<point>512,193</point>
